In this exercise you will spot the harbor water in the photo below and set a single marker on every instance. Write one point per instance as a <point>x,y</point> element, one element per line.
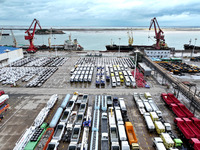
<point>96,40</point>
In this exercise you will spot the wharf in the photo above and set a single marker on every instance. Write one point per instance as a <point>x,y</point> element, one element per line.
<point>26,103</point>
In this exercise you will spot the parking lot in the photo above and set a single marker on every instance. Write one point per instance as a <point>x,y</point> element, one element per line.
<point>26,103</point>
<point>25,107</point>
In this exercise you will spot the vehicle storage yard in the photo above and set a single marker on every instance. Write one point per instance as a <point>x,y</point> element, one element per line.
<point>26,103</point>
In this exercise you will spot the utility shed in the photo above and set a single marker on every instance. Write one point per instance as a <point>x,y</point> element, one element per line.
<point>9,55</point>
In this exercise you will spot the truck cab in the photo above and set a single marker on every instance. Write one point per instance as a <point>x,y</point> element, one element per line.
<point>158,143</point>
<point>135,146</point>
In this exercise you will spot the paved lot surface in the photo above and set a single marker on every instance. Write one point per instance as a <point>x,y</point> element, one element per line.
<point>26,103</point>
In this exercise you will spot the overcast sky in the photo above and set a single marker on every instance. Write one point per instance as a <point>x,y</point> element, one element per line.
<point>100,12</point>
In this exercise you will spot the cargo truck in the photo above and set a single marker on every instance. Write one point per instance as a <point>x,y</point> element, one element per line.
<point>59,131</point>
<point>160,128</point>
<point>158,143</point>
<point>193,127</point>
<point>122,133</point>
<point>104,141</point>
<point>167,140</point>
<point>104,123</point>
<point>149,122</point>
<point>184,128</point>
<point>147,106</point>
<point>76,133</point>
<point>131,136</point>
<point>185,110</point>
<point>113,133</point>
<point>109,100</point>
<point>154,116</point>
<point>53,145</point>
<point>125,145</point>
<point>115,146</point>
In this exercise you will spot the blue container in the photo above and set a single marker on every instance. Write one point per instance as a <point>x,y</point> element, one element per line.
<point>56,117</point>
<point>65,101</point>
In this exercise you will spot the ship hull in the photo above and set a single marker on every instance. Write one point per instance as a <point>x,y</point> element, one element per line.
<point>126,47</point>
<point>187,47</point>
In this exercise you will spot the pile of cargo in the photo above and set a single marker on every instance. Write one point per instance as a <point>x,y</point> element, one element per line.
<point>140,82</point>
<point>178,67</point>
<point>155,122</point>
<point>32,135</point>
<point>195,58</point>
<point>187,124</point>
<point>3,105</point>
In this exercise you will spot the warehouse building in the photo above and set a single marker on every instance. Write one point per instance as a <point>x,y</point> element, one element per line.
<point>9,55</point>
<point>157,53</point>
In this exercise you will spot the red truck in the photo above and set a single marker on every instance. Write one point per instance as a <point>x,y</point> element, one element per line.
<point>195,143</point>
<point>178,111</point>
<point>166,98</point>
<point>185,110</point>
<point>193,127</point>
<point>173,98</point>
<point>187,132</point>
<point>196,121</point>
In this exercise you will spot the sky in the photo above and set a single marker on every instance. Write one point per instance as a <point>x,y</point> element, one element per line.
<point>100,13</point>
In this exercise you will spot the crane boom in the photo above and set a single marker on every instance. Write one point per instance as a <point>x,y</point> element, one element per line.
<point>30,37</point>
<point>14,39</point>
<point>159,35</point>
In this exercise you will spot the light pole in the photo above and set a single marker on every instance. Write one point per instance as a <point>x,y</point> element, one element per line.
<point>194,47</point>
<point>136,51</point>
<point>119,46</point>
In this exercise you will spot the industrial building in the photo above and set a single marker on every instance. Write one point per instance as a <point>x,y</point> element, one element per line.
<point>157,53</point>
<point>9,55</point>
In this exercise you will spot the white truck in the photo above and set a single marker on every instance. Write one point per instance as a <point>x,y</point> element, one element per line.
<point>158,143</point>
<point>149,122</point>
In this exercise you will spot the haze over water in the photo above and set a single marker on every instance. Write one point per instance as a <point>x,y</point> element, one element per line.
<point>96,40</point>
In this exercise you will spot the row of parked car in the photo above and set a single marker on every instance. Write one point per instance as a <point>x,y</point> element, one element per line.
<point>103,61</point>
<point>43,76</point>
<point>39,62</point>
<point>82,73</point>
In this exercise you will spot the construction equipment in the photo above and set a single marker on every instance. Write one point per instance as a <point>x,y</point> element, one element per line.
<point>30,37</point>
<point>14,39</point>
<point>159,35</point>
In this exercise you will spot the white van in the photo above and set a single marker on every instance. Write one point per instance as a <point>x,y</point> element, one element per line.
<point>127,81</point>
<point>113,82</point>
<point>118,81</point>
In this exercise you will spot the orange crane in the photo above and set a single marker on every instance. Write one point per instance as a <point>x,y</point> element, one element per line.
<point>30,37</point>
<point>159,35</point>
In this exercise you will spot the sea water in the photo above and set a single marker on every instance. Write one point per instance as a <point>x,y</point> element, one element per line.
<point>96,40</point>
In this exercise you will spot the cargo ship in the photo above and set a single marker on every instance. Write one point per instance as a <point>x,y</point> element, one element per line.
<point>191,47</point>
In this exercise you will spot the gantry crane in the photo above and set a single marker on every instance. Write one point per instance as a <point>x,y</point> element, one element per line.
<point>32,48</point>
<point>159,35</point>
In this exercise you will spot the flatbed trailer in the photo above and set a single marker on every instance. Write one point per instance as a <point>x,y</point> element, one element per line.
<point>184,128</point>
<point>193,127</point>
<point>178,111</point>
<point>185,110</point>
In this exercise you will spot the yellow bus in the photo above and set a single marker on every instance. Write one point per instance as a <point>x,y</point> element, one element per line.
<point>121,78</point>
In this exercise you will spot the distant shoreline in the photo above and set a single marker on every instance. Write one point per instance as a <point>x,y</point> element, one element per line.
<point>113,29</point>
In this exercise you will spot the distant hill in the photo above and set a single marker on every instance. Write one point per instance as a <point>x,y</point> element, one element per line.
<point>48,31</point>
